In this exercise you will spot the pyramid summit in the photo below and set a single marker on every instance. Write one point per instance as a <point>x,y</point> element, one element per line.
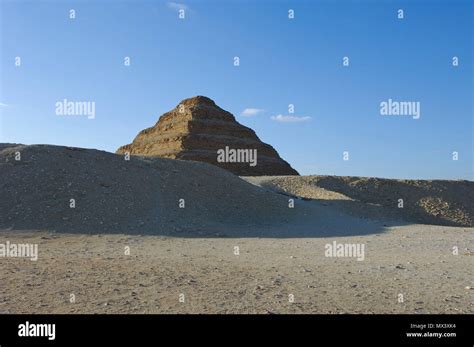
<point>197,129</point>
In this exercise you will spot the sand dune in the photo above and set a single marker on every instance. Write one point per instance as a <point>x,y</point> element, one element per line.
<point>437,202</point>
<point>142,196</point>
<point>137,196</point>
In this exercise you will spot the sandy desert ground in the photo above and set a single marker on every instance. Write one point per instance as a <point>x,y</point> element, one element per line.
<point>128,248</point>
<point>415,261</point>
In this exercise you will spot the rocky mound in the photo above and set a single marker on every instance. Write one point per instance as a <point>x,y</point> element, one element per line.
<point>114,195</point>
<point>439,202</point>
<point>197,129</point>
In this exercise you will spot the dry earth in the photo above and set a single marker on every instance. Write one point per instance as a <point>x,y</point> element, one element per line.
<point>415,261</point>
<point>439,202</point>
<point>133,205</point>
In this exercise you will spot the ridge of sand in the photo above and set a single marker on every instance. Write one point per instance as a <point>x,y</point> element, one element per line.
<point>437,202</point>
<point>114,195</point>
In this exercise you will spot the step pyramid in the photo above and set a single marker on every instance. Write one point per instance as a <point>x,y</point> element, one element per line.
<point>197,129</point>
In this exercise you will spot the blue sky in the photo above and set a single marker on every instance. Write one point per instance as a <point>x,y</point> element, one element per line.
<point>282,61</point>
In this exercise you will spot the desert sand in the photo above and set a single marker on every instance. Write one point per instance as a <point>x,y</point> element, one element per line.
<point>415,261</point>
<point>236,247</point>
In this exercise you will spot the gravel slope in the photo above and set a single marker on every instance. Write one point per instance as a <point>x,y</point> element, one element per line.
<point>137,196</point>
<point>437,202</point>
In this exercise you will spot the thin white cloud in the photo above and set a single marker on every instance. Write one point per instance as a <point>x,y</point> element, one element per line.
<point>177,6</point>
<point>3,105</point>
<point>290,119</point>
<point>250,112</point>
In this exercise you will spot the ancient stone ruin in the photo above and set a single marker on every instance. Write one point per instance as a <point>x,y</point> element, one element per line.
<point>197,129</point>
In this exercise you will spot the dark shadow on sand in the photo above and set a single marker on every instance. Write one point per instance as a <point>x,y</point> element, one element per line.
<point>322,218</point>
